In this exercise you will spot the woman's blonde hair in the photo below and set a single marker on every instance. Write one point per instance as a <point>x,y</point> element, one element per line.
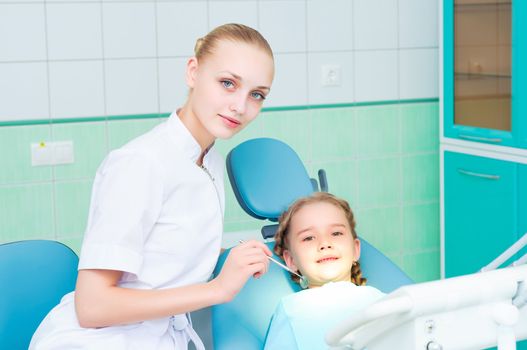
<point>281,238</point>
<point>231,31</point>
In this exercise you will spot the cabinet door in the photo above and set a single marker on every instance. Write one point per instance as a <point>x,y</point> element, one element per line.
<point>478,68</point>
<point>522,200</point>
<point>522,220</point>
<point>480,211</point>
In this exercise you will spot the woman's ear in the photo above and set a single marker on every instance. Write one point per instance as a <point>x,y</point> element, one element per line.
<point>190,74</point>
<point>289,261</point>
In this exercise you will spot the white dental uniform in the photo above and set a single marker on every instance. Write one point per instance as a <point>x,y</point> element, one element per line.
<point>158,217</point>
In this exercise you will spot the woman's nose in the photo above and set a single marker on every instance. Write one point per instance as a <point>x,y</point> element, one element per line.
<point>238,104</point>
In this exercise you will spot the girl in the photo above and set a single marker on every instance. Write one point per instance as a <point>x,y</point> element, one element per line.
<point>316,237</point>
<point>155,222</point>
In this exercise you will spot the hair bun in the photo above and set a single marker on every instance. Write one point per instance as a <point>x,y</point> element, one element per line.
<point>197,47</point>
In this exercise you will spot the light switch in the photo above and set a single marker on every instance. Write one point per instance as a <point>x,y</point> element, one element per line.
<point>52,153</point>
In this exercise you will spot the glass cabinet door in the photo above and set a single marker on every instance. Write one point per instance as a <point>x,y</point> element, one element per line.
<point>482,63</point>
<point>479,70</point>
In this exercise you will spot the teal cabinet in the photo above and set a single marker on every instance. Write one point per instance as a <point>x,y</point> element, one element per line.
<point>480,208</point>
<point>485,74</point>
<point>522,200</point>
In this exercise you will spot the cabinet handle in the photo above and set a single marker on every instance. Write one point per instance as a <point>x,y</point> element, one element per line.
<point>479,138</point>
<point>484,176</point>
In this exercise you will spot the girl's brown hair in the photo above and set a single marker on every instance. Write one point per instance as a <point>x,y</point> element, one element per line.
<point>281,241</point>
<point>231,31</point>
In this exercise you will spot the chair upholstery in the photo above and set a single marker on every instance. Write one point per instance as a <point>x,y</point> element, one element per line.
<point>267,176</point>
<point>34,275</point>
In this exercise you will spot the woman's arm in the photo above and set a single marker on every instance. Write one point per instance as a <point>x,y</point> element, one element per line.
<point>100,302</point>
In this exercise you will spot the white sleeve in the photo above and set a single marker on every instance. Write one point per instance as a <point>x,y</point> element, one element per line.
<point>126,201</point>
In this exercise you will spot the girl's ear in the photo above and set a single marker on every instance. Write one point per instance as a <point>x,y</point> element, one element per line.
<point>356,248</point>
<point>190,75</point>
<point>289,261</point>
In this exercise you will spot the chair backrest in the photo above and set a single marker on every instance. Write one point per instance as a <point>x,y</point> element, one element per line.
<point>34,275</point>
<point>267,176</point>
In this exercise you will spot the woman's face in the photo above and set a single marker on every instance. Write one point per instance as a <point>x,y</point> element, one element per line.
<point>321,245</point>
<point>228,88</point>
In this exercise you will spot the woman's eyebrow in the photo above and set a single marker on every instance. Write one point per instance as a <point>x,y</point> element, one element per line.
<point>237,77</point>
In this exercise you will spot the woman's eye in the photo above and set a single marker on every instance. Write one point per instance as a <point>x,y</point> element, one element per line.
<point>227,84</point>
<point>257,95</point>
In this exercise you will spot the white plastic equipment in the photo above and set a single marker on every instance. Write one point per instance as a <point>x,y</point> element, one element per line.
<point>474,311</point>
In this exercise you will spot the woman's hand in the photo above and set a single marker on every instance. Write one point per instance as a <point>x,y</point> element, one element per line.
<point>245,260</point>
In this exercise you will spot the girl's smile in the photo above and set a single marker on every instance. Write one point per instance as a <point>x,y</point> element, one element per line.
<point>321,244</point>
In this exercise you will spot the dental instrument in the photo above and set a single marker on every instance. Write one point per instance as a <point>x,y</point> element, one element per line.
<point>303,279</point>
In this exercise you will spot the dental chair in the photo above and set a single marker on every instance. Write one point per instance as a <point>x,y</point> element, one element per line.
<point>267,176</point>
<point>34,275</point>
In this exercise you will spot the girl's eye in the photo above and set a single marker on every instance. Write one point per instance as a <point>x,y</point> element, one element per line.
<point>308,238</point>
<point>227,84</point>
<point>257,95</point>
<point>337,233</point>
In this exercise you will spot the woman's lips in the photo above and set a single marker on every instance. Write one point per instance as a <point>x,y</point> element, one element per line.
<point>230,122</point>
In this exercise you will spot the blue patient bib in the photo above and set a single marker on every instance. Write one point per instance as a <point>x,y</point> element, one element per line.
<point>305,317</point>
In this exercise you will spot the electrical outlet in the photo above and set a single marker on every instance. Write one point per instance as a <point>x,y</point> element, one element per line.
<point>331,75</point>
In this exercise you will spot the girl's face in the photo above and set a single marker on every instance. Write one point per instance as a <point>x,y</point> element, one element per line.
<point>228,89</point>
<point>321,245</point>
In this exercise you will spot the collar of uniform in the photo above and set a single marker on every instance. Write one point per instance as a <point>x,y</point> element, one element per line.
<point>187,143</point>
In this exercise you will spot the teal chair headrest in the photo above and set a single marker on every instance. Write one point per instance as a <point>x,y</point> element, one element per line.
<point>267,176</point>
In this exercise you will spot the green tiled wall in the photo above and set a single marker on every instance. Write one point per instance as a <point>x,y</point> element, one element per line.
<point>383,159</point>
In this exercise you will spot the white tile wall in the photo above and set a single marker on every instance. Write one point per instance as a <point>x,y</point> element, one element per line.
<point>76,88</point>
<point>245,12</point>
<point>387,49</point>
<point>131,86</point>
<point>22,32</point>
<point>418,23</point>
<point>74,31</point>
<point>129,30</point>
<point>419,73</point>
<point>375,24</point>
<point>290,82</point>
<point>23,91</point>
<point>376,75</point>
<point>179,24</point>
<point>172,92</point>
<point>283,24</point>
<point>329,27</point>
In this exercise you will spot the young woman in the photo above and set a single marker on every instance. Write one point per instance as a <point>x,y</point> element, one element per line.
<point>316,237</point>
<point>156,215</point>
